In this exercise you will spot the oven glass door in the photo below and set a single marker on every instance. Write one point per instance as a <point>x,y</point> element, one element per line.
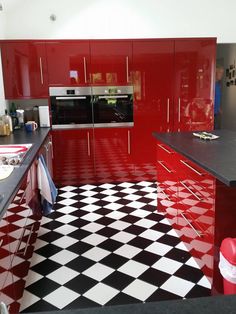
<point>71,110</point>
<point>113,108</point>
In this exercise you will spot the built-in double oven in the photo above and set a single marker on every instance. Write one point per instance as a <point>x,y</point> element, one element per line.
<point>83,107</point>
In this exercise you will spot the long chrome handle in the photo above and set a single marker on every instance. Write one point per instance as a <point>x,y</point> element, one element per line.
<point>167,169</point>
<point>1,242</point>
<point>19,243</point>
<point>51,148</point>
<point>71,98</point>
<point>85,71</point>
<point>41,70</point>
<point>129,147</point>
<point>88,143</point>
<point>189,223</point>
<point>165,149</point>
<point>165,194</point>
<point>190,167</point>
<point>112,97</point>
<point>28,240</point>
<point>179,104</point>
<point>190,191</point>
<point>168,111</point>
<point>127,69</point>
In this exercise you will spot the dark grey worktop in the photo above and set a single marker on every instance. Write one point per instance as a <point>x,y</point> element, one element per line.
<point>207,305</point>
<point>218,157</point>
<point>10,186</point>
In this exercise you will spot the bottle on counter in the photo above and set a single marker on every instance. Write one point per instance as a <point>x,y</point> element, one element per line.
<point>7,120</point>
<point>4,127</point>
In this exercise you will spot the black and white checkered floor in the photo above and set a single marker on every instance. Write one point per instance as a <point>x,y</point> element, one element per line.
<point>107,245</point>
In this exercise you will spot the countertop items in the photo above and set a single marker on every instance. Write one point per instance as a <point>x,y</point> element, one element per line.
<point>217,157</point>
<point>207,305</point>
<point>10,186</point>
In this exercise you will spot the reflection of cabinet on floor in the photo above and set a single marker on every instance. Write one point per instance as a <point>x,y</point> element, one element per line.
<point>92,155</point>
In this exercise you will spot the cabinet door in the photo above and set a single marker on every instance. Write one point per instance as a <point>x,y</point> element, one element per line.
<point>194,84</point>
<point>25,70</point>
<point>113,154</point>
<point>68,63</point>
<point>111,62</point>
<point>153,71</point>
<point>73,162</point>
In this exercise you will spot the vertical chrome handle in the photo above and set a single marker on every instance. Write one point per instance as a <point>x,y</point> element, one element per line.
<point>129,148</point>
<point>88,143</point>
<point>189,223</point>
<point>28,240</point>
<point>41,70</point>
<point>168,111</point>
<point>127,69</point>
<point>85,71</point>
<point>50,144</point>
<point>1,242</point>
<point>179,103</point>
<point>190,191</point>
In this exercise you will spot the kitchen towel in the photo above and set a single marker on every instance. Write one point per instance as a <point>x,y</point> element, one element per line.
<point>46,186</point>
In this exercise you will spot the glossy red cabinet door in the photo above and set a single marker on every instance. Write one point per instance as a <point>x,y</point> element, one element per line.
<point>68,63</point>
<point>111,62</point>
<point>73,156</point>
<point>113,154</point>
<point>24,70</point>
<point>153,72</point>
<point>194,84</point>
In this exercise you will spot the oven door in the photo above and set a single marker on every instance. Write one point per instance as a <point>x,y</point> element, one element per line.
<point>71,111</point>
<point>113,109</point>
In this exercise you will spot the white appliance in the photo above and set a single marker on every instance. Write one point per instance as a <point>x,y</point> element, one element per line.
<point>44,119</point>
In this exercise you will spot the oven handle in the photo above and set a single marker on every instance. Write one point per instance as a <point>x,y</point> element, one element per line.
<point>71,98</point>
<point>112,97</point>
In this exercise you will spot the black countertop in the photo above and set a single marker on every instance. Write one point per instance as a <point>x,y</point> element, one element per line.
<point>10,186</point>
<point>218,157</point>
<point>207,305</point>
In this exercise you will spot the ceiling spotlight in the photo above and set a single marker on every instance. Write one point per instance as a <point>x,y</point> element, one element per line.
<point>53,17</point>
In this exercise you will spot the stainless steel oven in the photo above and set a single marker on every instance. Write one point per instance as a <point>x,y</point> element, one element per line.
<point>112,106</point>
<point>71,107</point>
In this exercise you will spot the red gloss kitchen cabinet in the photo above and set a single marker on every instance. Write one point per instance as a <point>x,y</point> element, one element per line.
<point>24,70</point>
<point>111,62</point>
<point>113,152</point>
<point>68,63</point>
<point>194,84</point>
<point>73,156</point>
<point>153,80</point>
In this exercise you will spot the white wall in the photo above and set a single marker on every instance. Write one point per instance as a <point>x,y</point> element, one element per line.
<point>2,36</point>
<point>121,18</point>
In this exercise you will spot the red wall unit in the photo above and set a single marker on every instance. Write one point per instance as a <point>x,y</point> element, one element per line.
<point>73,155</point>
<point>24,70</point>
<point>111,62</point>
<point>68,63</point>
<point>194,84</point>
<point>113,154</point>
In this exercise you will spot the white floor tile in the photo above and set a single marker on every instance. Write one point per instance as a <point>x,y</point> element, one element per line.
<point>101,293</point>
<point>90,208</point>
<point>68,194</point>
<point>128,251</point>
<point>111,199</point>
<point>62,275</point>
<point>65,229</point>
<point>128,191</point>
<point>32,277</point>
<point>177,286</point>
<point>36,259</point>
<point>167,265</point>
<point>107,186</point>
<point>204,282</point>
<point>119,225</point>
<point>192,262</point>
<point>116,215</point>
<point>63,257</point>
<point>123,237</point>
<point>181,246</point>
<point>94,239</point>
<point>140,290</point>
<point>61,297</point>
<point>108,192</point>
<point>158,248</point>
<point>139,212</point>
<point>98,271</point>
<point>133,268</point>
<point>132,197</point>
<point>88,193</point>
<point>126,184</point>
<point>148,189</point>
<point>68,188</point>
<point>67,218</point>
<point>113,206</point>
<point>151,234</point>
<point>96,254</point>
<point>146,223</point>
<point>67,202</point>
<point>89,200</point>
<point>92,217</point>
<point>92,227</point>
<point>64,242</point>
<point>67,209</point>
<point>27,300</point>
<point>136,204</point>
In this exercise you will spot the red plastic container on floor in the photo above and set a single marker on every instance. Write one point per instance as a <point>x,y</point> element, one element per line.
<point>227,265</point>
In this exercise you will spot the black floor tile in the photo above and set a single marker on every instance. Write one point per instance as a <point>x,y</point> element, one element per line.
<point>198,291</point>
<point>48,250</point>
<point>154,277</point>
<point>51,236</point>
<point>79,234</point>
<point>122,298</point>
<point>135,229</point>
<point>80,264</point>
<point>81,302</point>
<point>107,231</point>
<point>40,306</point>
<point>81,284</point>
<point>140,242</point>
<point>43,287</point>
<point>189,273</point>
<point>146,258</point>
<point>161,227</point>
<point>113,260</point>
<point>169,240</point>
<point>110,245</point>
<point>118,280</point>
<point>178,255</point>
<point>45,267</point>
<point>161,295</point>
<point>79,247</point>
<point>53,225</point>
